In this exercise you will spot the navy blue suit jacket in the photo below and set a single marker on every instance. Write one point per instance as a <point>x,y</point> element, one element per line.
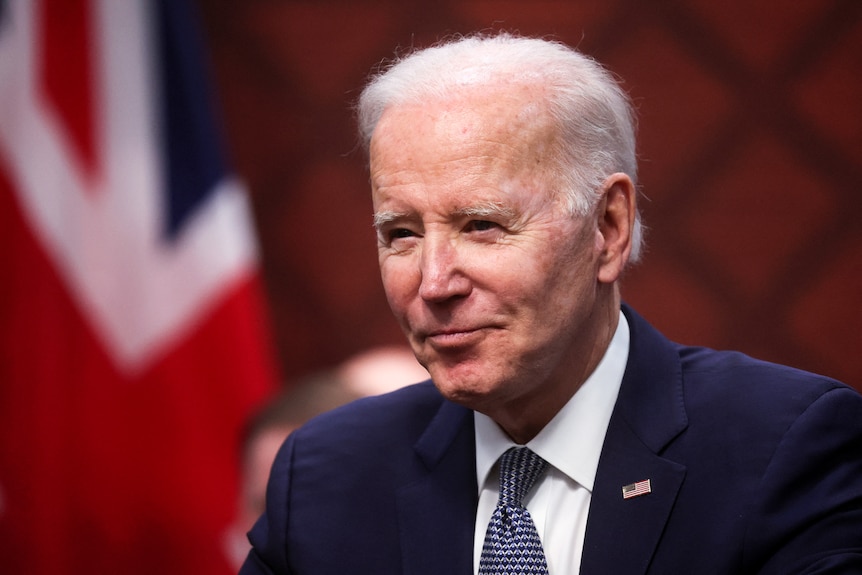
<point>754,467</point>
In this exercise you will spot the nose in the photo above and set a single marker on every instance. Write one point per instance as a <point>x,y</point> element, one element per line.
<point>442,273</point>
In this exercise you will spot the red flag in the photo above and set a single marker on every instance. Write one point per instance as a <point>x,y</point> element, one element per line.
<point>133,342</point>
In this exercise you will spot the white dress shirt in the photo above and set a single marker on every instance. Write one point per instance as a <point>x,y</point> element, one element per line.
<point>571,443</point>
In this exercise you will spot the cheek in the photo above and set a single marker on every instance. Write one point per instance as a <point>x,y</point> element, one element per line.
<point>400,283</point>
<point>567,276</point>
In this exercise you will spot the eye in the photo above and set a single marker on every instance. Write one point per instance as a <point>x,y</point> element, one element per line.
<point>397,238</point>
<point>481,225</point>
<point>399,233</point>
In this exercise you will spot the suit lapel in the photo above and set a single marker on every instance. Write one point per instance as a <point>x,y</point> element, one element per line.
<point>623,533</point>
<point>436,513</point>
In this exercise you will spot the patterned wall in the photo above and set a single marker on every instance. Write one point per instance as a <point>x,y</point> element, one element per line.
<point>750,139</point>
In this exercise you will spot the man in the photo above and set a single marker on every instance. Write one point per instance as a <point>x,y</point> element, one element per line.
<point>503,182</point>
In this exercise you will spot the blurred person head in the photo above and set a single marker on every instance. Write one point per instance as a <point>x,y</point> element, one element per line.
<point>268,428</point>
<point>381,369</point>
<point>370,372</point>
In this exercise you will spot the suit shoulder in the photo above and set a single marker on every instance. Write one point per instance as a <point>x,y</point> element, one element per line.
<point>734,385</point>
<point>736,368</point>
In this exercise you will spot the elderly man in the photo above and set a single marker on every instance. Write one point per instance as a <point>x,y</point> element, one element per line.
<point>559,433</point>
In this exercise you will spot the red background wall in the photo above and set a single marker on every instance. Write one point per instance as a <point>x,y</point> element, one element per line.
<point>750,145</point>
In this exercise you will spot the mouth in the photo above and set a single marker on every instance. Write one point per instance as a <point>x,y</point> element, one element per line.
<point>454,338</point>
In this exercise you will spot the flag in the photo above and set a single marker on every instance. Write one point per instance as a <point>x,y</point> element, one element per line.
<point>636,489</point>
<point>133,336</point>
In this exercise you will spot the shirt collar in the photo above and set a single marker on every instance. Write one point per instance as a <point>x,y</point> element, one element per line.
<point>572,440</point>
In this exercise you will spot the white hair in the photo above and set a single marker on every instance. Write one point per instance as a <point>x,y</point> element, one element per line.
<point>592,112</point>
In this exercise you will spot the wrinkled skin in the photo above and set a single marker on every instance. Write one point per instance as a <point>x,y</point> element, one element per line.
<point>507,300</point>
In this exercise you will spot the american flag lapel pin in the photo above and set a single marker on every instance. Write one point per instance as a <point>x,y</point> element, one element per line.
<point>637,489</point>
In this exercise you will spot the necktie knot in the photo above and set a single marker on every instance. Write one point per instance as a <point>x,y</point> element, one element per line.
<point>519,470</point>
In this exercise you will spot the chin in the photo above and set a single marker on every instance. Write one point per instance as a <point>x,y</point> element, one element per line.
<point>463,392</point>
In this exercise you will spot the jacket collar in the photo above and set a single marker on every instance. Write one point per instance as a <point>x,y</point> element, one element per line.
<point>649,414</point>
<point>437,512</point>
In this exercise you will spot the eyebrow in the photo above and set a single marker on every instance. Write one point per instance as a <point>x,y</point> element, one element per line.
<point>386,216</point>
<point>481,210</point>
<point>486,209</point>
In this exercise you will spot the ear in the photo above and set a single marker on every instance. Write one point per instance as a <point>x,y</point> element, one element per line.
<point>616,221</point>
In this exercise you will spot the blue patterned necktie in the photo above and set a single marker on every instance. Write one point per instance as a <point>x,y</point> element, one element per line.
<point>512,545</point>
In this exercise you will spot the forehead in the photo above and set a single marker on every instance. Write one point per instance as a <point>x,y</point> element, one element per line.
<point>501,130</point>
